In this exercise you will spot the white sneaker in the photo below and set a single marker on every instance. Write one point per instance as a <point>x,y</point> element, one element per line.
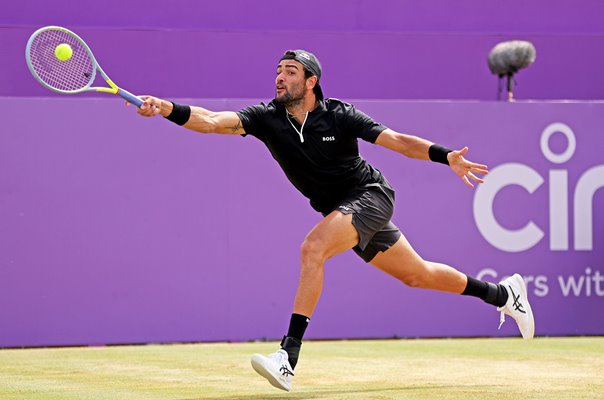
<point>518,306</point>
<point>276,368</point>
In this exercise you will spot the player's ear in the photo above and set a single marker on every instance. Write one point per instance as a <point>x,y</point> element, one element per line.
<point>311,82</point>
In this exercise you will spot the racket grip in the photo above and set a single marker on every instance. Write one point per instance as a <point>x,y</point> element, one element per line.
<point>130,97</point>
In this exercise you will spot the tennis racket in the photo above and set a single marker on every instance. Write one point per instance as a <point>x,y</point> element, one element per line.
<point>74,74</point>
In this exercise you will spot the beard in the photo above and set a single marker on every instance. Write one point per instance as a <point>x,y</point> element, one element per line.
<point>291,98</point>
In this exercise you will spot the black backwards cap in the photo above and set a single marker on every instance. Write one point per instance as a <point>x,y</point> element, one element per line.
<point>310,62</point>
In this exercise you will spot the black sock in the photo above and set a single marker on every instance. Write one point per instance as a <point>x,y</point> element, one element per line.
<point>487,291</point>
<point>292,342</point>
<point>297,326</point>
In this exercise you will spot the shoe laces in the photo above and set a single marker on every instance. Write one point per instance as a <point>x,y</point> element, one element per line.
<point>279,356</point>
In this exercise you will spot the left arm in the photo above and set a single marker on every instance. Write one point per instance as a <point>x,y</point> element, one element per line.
<point>416,147</point>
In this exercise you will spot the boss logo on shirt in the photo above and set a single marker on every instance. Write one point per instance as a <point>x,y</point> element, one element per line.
<point>329,138</point>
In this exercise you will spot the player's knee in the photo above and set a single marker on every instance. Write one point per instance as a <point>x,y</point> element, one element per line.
<point>312,252</point>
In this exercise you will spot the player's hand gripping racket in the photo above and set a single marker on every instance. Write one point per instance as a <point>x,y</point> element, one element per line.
<point>61,61</point>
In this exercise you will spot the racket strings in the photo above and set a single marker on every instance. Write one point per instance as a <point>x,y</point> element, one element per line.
<point>71,75</point>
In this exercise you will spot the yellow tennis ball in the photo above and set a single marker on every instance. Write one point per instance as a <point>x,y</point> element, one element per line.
<point>63,52</point>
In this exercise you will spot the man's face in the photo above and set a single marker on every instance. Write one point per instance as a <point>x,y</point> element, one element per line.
<point>290,82</point>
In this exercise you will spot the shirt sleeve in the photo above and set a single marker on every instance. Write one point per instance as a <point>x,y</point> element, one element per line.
<point>252,118</point>
<point>363,126</point>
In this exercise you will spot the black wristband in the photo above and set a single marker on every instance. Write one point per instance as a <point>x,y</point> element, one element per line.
<point>438,153</point>
<point>180,114</point>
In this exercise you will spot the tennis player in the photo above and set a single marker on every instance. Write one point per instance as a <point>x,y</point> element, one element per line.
<point>314,140</point>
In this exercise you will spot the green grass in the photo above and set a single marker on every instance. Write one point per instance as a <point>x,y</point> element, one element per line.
<point>544,368</point>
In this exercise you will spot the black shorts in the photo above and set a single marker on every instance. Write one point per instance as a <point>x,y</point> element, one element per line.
<point>371,207</point>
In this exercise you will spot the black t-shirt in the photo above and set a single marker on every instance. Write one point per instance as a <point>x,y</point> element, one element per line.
<point>321,158</point>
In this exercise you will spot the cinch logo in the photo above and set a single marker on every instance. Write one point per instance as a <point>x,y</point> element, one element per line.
<point>523,175</point>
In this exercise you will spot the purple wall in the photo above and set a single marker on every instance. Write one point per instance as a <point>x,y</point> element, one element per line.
<point>386,49</point>
<point>514,16</point>
<point>118,229</point>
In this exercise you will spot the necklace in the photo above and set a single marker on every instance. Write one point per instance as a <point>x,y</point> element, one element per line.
<point>301,131</point>
<point>293,115</point>
<point>303,112</point>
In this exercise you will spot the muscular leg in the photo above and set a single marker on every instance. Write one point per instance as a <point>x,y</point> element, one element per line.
<point>333,235</point>
<point>402,262</point>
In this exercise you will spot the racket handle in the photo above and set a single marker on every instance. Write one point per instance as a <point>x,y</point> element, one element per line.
<point>130,97</point>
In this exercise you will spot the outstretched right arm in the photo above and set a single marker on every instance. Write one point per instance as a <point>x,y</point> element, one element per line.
<point>201,120</point>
